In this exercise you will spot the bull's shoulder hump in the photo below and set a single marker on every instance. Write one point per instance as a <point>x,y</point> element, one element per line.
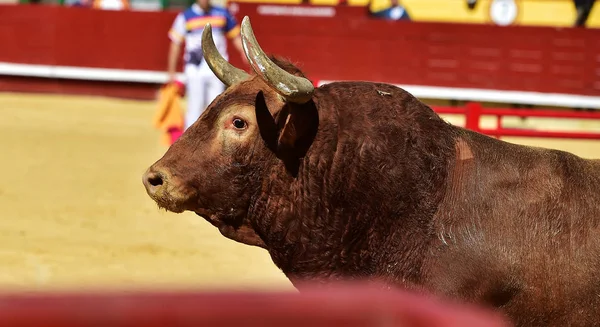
<point>360,84</point>
<point>363,88</point>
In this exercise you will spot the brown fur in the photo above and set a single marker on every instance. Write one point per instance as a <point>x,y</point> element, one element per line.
<point>367,182</point>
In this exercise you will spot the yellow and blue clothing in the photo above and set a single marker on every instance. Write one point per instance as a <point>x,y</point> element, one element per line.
<point>189,25</point>
<point>202,86</point>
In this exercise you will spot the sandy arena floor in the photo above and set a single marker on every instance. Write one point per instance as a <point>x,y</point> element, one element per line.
<point>75,213</point>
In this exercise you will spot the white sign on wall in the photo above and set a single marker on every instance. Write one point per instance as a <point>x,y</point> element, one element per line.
<point>503,12</point>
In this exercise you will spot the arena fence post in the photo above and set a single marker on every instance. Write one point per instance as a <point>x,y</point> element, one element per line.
<point>473,116</point>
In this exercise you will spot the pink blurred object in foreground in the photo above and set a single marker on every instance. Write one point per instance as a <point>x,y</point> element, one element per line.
<point>342,305</point>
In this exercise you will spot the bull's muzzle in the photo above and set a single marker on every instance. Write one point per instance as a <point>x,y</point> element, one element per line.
<point>168,192</point>
<point>154,182</point>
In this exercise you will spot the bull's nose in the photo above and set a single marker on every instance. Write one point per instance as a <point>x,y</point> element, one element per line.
<point>153,181</point>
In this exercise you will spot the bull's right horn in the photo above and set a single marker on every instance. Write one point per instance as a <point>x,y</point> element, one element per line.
<point>292,88</point>
<point>226,72</point>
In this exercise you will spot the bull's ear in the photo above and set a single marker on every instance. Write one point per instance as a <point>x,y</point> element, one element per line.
<point>266,123</point>
<point>298,127</point>
<point>289,122</point>
<point>292,132</point>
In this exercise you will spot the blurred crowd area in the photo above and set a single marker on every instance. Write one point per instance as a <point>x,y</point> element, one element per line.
<point>577,13</point>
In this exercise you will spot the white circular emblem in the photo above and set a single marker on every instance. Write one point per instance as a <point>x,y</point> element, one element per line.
<point>503,12</point>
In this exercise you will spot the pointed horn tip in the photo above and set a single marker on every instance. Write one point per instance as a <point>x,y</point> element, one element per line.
<point>301,95</point>
<point>207,32</point>
<point>245,26</point>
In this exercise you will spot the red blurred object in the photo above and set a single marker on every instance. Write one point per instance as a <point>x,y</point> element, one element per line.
<point>181,87</point>
<point>341,306</point>
<point>175,133</point>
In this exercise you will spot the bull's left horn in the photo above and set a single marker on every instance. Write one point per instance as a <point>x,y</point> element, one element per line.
<point>226,72</point>
<point>292,88</point>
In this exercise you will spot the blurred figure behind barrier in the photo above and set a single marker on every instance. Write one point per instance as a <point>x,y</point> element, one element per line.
<point>396,11</point>
<point>202,85</point>
<point>583,8</point>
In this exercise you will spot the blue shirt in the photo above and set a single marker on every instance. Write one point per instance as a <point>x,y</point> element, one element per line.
<point>189,25</point>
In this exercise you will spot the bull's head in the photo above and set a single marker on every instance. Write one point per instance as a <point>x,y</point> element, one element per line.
<point>260,126</point>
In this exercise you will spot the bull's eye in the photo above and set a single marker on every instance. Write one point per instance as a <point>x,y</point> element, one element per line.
<point>239,123</point>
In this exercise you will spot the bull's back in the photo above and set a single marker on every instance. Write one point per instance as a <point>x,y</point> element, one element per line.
<point>518,226</point>
<point>526,221</point>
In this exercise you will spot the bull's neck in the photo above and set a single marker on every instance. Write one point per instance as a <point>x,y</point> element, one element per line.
<point>338,218</point>
<point>294,218</point>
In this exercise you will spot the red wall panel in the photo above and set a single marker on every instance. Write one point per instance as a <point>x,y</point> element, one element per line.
<point>27,34</point>
<point>354,46</point>
<point>134,40</point>
<point>81,37</point>
<point>348,46</point>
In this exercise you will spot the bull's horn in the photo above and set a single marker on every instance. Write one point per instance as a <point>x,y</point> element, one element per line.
<point>292,88</point>
<point>226,72</point>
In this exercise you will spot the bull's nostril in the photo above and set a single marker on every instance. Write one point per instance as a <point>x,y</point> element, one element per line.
<point>155,180</point>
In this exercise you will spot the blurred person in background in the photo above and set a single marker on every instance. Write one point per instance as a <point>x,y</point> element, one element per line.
<point>471,4</point>
<point>583,8</point>
<point>396,11</point>
<point>111,4</point>
<point>80,3</point>
<point>100,4</point>
<point>202,86</point>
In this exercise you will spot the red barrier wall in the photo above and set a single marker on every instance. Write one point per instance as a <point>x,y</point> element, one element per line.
<point>354,46</point>
<point>53,35</point>
<point>349,45</point>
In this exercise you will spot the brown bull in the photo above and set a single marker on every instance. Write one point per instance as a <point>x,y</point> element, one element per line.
<point>360,180</point>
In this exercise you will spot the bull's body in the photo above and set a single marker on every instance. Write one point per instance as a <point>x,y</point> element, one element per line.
<point>363,181</point>
<point>389,190</point>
